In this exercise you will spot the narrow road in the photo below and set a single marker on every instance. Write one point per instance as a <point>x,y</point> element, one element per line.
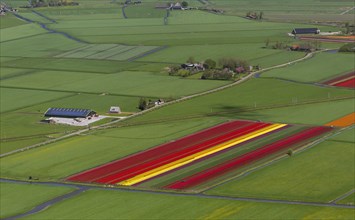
<point>344,12</point>
<point>307,56</point>
<point>342,196</point>
<point>94,187</point>
<point>49,203</point>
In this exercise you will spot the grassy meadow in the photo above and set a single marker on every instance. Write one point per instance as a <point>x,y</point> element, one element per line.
<point>98,204</point>
<point>18,198</point>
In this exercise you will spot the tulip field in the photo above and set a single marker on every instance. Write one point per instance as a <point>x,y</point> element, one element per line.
<point>347,80</point>
<point>198,148</point>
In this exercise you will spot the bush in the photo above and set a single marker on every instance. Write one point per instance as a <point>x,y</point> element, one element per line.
<point>209,64</point>
<point>184,73</point>
<point>347,48</point>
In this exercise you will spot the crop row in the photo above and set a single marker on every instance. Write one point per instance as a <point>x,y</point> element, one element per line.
<point>177,153</point>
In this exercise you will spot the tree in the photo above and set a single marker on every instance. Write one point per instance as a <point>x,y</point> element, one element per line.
<point>142,104</point>
<point>209,64</point>
<point>191,60</point>
<point>347,28</point>
<point>184,4</point>
<point>261,15</point>
<point>267,42</point>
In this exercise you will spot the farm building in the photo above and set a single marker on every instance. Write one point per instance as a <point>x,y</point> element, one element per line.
<point>69,113</point>
<point>305,31</point>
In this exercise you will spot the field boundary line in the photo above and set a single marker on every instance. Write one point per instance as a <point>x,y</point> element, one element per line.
<point>334,201</point>
<point>49,203</point>
<point>45,27</point>
<point>344,12</point>
<point>144,54</point>
<point>171,193</point>
<point>43,16</point>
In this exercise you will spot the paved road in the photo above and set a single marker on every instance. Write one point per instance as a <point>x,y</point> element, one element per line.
<point>87,187</point>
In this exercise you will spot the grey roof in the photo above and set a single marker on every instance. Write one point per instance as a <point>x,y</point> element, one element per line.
<point>68,112</point>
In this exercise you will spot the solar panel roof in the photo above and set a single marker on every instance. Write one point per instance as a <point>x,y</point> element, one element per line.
<point>67,112</point>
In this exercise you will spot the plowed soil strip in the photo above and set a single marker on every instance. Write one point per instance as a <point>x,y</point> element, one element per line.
<point>344,121</point>
<point>180,152</point>
<point>247,158</point>
<point>158,151</point>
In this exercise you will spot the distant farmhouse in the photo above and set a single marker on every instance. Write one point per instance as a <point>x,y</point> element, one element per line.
<point>69,113</point>
<point>305,31</point>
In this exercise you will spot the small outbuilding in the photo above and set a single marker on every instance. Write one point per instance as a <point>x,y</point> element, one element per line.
<point>115,109</point>
<point>305,31</point>
<point>69,113</point>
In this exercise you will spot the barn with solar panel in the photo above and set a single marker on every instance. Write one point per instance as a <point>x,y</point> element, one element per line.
<point>69,113</point>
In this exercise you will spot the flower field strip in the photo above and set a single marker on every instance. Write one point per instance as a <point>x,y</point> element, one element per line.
<point>344,121</point>
<point>350,83</point>
<point>194,157</point>
<point>346,80</point>
<point>219,158</point>
<point>152,153</point>
<point>180,152</point>
<point>248,158</point>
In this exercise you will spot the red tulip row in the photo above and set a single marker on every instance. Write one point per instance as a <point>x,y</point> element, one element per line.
<point>350,83</point>
<point>138,163</point>
<point>248,158</point>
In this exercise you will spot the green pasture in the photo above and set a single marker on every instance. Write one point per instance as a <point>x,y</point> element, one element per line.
<point>42,45</point>
<point>107,51</point>
<point>303,114</point>
<point>12,99</point>
<point>127,83</point>
<point>345,136</point>
<point>241,100</point>
<point>349,200</point>
<point>19,32</point>
<point>70,156</point>
<point>9,20</point>
<point>131,205</point>
<point>19,198</point>
<point>321,173</point>
<point>184,28</point>
<point>72,65</point>
<point>319,68</point>
<point>144,10</point>
<point>7,73</point>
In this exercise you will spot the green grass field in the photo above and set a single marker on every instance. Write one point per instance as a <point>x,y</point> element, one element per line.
<point>97,204</point>
<point>319,68</point>
<point>18,198</point>
<point>241,100</point>
<point>322,173</point>
<point>10,20</point>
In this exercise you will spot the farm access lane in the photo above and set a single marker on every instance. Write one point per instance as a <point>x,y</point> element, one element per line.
<point>83,188</point>
<point>307,56</point>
